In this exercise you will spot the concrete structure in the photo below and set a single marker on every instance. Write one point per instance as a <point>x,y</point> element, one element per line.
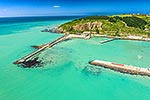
<point>48,45</point>
<point>122,68</point>
<point>105,41</point>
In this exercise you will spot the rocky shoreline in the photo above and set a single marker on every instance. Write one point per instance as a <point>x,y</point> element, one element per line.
<point>136,38</point>
<point>94,34</point>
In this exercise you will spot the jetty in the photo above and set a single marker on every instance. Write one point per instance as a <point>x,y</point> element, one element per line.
<point>105,41</point>
<point>122,68</point>
<point>48,45</point>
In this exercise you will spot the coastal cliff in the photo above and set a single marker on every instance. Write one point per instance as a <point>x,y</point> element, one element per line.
<point>116,25</point>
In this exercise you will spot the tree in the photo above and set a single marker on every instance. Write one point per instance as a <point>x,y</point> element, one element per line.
<point>117,32</point>
<point>148,35</point>
<point>97,31</point>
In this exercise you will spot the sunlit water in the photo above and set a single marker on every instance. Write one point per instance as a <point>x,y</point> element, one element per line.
<point>63,76</point>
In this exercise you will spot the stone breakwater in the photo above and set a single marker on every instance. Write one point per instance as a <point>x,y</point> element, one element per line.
<point>44,46</point>
<point>122,68</point>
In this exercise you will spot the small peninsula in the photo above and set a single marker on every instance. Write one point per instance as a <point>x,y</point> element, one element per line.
<point>124,26</point>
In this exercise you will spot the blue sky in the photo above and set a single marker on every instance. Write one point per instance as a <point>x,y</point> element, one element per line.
<point>71,7</point>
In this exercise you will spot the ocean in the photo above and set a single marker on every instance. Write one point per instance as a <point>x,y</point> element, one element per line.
<point>66,74</point>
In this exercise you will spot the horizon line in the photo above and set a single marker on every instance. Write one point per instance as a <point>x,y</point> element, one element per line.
<point>90,14</point>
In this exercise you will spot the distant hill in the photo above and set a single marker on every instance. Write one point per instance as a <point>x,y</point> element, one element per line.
<point>116,25</point>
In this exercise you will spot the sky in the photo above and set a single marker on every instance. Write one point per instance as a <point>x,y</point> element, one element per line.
<point>9,8</point>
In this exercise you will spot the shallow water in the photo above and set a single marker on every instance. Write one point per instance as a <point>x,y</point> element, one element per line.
<point>63,76</point>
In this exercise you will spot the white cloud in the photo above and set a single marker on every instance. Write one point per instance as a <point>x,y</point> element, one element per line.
<point>56,6</point>
<point>4,10</point>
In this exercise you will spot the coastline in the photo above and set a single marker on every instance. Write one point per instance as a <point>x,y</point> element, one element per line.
<point>64,67</point>
<point>124,38</point>
<point>134,38</point>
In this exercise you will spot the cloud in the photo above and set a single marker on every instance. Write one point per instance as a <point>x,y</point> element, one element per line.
<point>4,10</point>
<point>56,6</point>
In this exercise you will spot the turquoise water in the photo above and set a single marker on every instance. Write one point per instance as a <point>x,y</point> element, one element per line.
<point>63,76</point>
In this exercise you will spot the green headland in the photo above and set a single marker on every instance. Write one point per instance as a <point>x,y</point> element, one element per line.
<point>116,25</point>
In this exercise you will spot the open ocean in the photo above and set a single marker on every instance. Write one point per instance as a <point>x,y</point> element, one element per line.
<point>64,76</point>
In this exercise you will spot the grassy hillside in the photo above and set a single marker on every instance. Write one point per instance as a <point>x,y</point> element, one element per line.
<point>116,25</point>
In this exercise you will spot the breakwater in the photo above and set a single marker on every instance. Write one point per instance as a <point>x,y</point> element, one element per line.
<point>48,45</point>
<point>122,68</point>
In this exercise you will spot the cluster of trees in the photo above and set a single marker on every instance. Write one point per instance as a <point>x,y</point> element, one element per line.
<point>131,21</point>
<point>135,22</point>
<point>97,18</point>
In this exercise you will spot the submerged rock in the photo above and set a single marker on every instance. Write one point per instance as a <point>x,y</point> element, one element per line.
<point>52,30</point>
<point>36,47</point>
<point>32,63</point>
<point>46,30</point>
<point>92,69</point>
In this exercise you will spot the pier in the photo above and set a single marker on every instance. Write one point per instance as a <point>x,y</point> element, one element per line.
<point>48,45</point>
<point>105,41</point>
<point>122,68</point>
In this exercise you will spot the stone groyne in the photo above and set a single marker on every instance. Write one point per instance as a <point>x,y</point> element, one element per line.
<point>122,68</point>
<point>48,45</point>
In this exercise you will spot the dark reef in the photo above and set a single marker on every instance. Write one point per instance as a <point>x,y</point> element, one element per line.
<point>32,63</point>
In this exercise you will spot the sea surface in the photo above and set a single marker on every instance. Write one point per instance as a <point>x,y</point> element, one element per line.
<point>66,74</point>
